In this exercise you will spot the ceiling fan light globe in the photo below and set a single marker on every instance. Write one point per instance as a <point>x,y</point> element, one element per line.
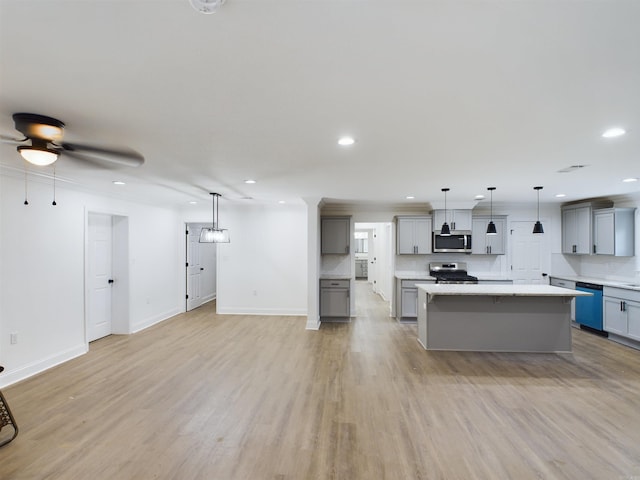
<point>40,156</point>
<point>207,6</point>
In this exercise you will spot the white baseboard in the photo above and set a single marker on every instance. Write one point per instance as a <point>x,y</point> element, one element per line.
<point>29,370</point>
<point>146,323</point>
<point>261,311</point>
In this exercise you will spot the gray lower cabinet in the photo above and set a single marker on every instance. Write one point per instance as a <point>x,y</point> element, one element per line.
<point>559,282</point>
<point>408,299</point>
<point>621,312</point>
<point>362,268</point>
<point>335,299</point>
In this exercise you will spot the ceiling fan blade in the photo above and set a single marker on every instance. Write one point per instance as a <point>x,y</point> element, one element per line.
<point>120,156</point>
<point>12,140</point>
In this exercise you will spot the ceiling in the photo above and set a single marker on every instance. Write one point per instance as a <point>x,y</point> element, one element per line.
<point>458,94</point>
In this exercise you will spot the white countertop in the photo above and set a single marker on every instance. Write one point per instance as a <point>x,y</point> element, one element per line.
<point>333,276</point>
<point>409,275</point>
<point>500,290</point>
<point>412,275</point>
<point>629,285</point>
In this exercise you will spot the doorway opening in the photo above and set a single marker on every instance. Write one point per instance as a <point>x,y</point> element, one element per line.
<point>374,245</point>
<point>201,267</point>
<point>106,275</point>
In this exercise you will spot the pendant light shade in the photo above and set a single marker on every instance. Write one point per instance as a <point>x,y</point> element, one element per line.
<point>214,234</point>
<point>537,228</point>
<point>445,230</point>
<point>491,228</point>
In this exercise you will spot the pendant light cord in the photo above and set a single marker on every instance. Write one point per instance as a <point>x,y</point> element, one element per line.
<point>54,187</point>
<point>26,183</point>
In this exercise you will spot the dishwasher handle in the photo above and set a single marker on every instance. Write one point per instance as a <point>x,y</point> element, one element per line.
<point>590,286</point>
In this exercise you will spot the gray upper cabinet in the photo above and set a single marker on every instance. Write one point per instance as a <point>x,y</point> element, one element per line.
<point>484,244</point>
<point>576,229</point>
<point>335,235</point>
<point>613,231</point>
<point>457,219</point>
<point>414,235</point>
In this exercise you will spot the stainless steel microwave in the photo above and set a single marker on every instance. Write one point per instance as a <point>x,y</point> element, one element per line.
<point>458,241</point>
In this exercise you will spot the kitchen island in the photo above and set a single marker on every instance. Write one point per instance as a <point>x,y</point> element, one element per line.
<point>495,318</point>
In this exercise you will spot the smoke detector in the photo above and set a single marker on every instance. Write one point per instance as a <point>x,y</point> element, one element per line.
<point>207,6</point>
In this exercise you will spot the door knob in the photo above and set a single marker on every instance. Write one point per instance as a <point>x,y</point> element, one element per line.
<point>111,280</point>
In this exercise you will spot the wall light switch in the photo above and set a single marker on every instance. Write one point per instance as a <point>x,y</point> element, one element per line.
<point>13,338</point>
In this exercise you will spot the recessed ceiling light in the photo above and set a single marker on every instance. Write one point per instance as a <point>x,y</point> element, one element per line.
<point>281,202</point>
<point>346,141</point>
<point>614,132</point>
<point>560,195</point>
<point>479,197</point>
<point>118,182</point>
<point>410,197</point>
<point>250,181</point>
<point>629,180</point>
<point>193,202</point>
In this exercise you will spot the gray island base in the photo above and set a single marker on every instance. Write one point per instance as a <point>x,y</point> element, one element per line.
<point>495,318</point>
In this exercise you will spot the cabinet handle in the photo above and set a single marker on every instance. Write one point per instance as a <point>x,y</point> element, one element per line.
<point>621,306</point>
<point>624,306</point>
<point>594,248</point>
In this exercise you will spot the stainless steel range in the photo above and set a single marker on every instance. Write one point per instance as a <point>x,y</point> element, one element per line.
<point>451,273</point>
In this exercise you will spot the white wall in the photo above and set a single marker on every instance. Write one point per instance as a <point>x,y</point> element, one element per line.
<point>42,271</point>
<point>263,270</point>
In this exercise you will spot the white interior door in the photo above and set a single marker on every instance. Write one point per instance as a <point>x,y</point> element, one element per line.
<point>201,267</point>
<point>527,250</point>
<point>194,269</point>
<point>373,260</point>
<point>100,243</point>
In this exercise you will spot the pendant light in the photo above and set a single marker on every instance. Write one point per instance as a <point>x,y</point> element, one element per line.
<point>537,228</point>
<point>445,230</point>
<point>214,234</point>
<point>491,228</point>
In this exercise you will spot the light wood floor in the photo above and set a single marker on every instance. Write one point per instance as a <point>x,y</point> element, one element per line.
<point>203,396</point>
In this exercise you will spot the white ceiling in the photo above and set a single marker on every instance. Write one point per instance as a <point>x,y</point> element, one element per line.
<point>459,94</point>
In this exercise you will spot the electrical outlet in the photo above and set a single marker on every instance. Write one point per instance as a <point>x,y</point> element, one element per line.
<point>13,338</point>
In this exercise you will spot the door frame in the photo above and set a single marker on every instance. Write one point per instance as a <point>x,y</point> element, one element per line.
<point>545,246</point>
<point>211,295</point>
<point>120,311</point>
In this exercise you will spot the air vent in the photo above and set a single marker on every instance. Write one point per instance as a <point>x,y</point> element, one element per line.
<point>572,168</point>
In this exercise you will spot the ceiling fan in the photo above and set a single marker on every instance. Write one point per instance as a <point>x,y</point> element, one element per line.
<point>42,144</point>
